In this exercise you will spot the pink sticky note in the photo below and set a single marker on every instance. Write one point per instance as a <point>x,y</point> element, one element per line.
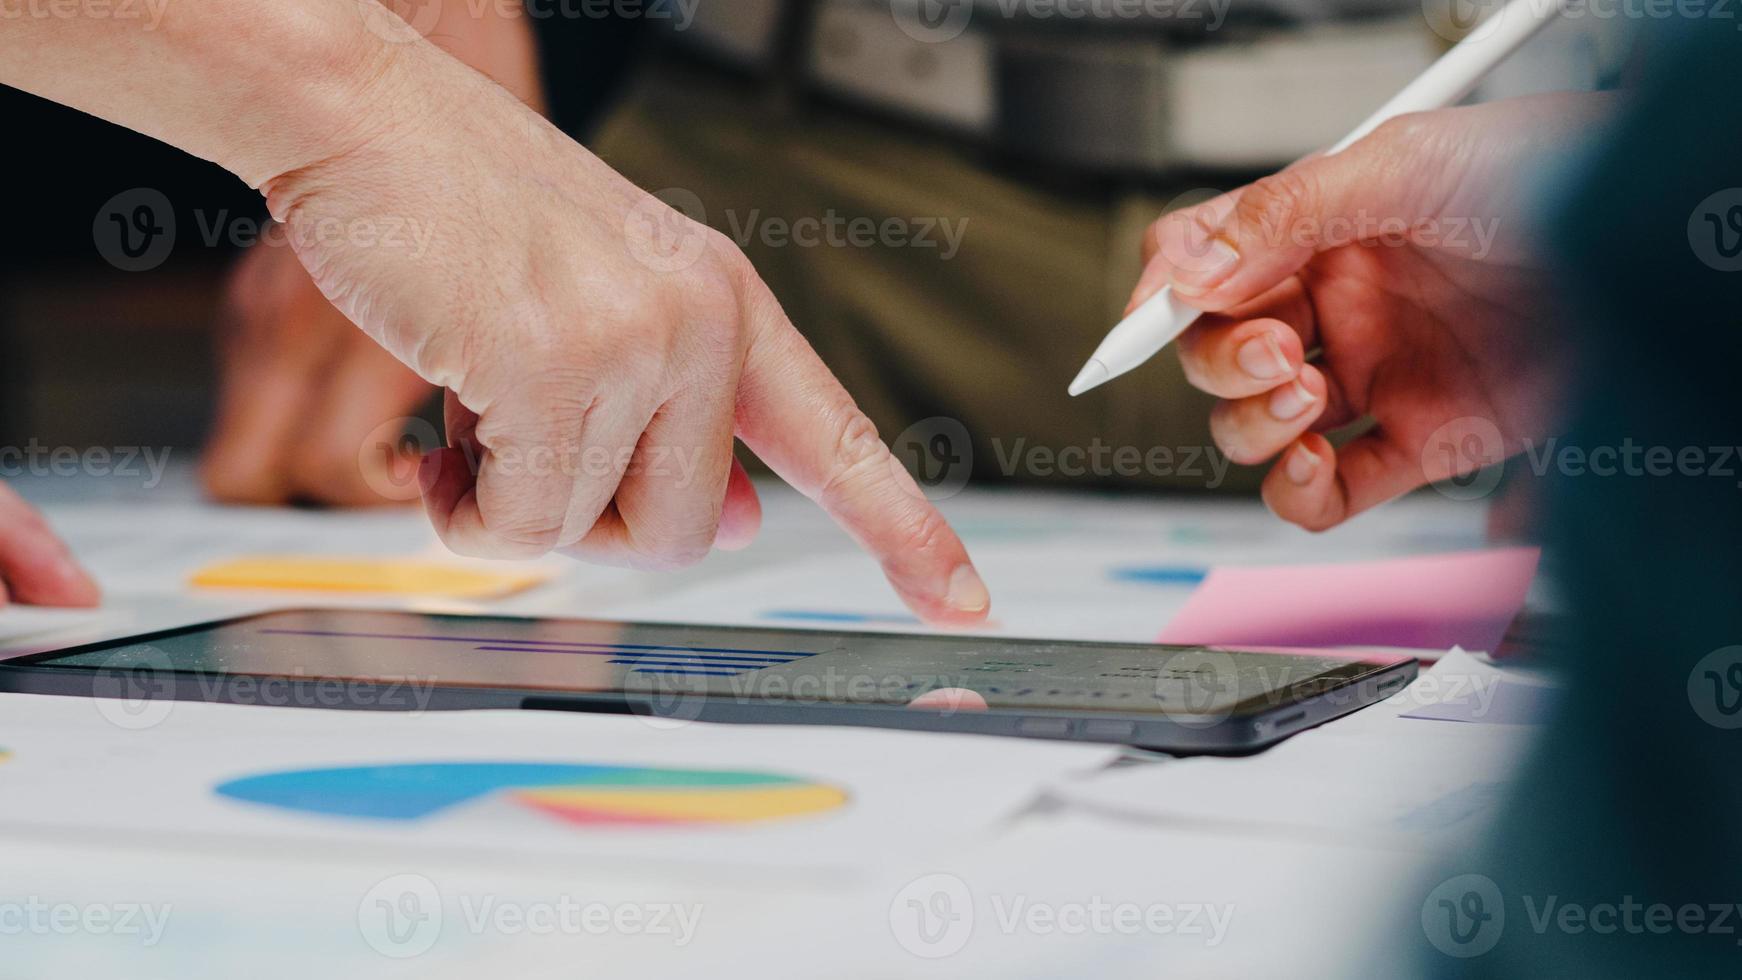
<point>1432,602</point>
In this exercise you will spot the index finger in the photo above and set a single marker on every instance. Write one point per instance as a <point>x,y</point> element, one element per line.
<point>794,414</point>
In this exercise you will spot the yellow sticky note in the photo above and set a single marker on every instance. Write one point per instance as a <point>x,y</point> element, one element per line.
<point>392,576</point>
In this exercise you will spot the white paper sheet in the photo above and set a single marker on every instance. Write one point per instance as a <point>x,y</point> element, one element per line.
<point>96,909</point>
<point>24,622</point>
<point>1377,776</point>
<point>1073,895</point>
<point>149,769</point>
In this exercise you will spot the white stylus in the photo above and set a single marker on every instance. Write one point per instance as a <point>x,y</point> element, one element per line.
<point>1162,317</point>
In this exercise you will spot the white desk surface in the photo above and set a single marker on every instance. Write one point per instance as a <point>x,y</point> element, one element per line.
<point>1043,889</point>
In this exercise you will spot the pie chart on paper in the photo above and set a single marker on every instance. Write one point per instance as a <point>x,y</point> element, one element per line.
<point>575,795</point>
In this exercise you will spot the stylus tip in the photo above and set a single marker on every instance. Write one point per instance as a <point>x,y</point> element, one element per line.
<point>1093,375</point>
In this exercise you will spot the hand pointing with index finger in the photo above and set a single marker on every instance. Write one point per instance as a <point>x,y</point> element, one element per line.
<point>836,459</point>
<point>580,355</point>
<point>601,350</point>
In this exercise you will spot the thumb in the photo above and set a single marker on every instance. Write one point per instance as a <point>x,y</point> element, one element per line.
<point>1221,256</point>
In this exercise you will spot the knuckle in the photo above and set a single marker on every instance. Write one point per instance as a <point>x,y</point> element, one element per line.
<point>725,251</point>
<point>714,321</point>
<point>676,542</point>
<point>672,556</point>
<point>525,538</point>
<point>855,447</point>
<point>1183,234</point>
<point>857,441</point>
<point>1275,204</point>
<point>1197,224</point>
<point>921,530</point>
<point>465,545</point>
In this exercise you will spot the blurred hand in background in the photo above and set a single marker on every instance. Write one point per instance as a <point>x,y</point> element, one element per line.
<point>35,566</point>
<point>302,391</point>
<point>308,406</point>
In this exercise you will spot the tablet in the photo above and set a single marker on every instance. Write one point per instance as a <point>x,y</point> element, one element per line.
<point>1177,699</point>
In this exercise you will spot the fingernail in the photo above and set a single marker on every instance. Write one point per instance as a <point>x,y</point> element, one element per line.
<point>1302,465</point>
<point>1262,358</point>
<point>1290,401</point>
<point>967,592</point>
<point>1199,274</point>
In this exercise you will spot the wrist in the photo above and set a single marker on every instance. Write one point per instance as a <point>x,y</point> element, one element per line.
<point>330,85</point>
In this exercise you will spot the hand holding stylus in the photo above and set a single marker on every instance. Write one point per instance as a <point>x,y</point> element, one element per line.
<point>1404,262</point>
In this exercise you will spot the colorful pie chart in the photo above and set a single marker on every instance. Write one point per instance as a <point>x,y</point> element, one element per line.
<point>577,795</point>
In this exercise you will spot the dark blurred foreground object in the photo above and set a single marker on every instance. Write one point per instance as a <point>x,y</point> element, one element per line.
<point>1621,854</point>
